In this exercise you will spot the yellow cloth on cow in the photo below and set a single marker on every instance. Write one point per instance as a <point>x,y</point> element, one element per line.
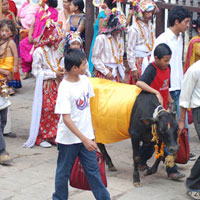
<point>111,109</point>
<point>7,63</point>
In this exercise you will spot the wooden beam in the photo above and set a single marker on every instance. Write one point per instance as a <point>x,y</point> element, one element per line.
<point>89,26</point>
<point>0,9</point>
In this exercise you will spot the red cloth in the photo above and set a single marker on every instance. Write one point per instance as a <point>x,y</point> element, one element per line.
<point>161,83</point>
<point>12,7</point>
<point>49,120</point>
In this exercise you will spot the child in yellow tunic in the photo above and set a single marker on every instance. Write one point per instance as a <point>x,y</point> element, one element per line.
<point>8,48</point>
<point>8,55</point>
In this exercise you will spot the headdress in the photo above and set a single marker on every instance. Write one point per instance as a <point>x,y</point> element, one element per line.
<point>141,6</point>
<point>115,20</point>
<point>70,37</point>
<point>36,2</point>
<point>50,35</point>
<point>97,3</point>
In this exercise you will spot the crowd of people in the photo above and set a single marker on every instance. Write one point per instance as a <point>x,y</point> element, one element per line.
<point>49,44</point>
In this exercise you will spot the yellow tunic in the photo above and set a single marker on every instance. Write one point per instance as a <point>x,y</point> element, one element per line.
<point>111,109</point>
<point>7,63</point>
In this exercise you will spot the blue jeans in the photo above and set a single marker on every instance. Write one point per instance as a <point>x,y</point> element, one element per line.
<point>66,158</point>
<point>175,96</point>
<point>3,120</point>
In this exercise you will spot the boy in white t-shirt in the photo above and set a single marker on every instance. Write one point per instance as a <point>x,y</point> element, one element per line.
<point>75,132</point>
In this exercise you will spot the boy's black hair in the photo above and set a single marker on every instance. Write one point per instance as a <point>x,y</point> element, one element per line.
<point>79,3</point>
<point>110,4</point>
<point>73,57</point>
<point>196,23</point>
<point>162,50</point>
<point>179,13</point>
<point>10,25</point>
<point>53,3</point>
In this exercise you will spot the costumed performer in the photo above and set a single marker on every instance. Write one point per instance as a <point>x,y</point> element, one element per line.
<point>49,72</point>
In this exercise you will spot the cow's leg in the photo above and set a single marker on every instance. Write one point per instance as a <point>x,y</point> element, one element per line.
<point>106,157</point>
<point>136,159</point>
<point>154,168</point>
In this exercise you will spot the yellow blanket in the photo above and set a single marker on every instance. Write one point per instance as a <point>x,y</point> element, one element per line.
<point>7,63</point>
<point>111,109</point>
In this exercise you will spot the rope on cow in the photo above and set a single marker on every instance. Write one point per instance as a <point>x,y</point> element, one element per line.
<point>159,151</point>
<point>170,159</point>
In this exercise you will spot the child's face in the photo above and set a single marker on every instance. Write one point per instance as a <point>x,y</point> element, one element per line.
<point>147,15</point>
<point>163,62</point>
<point>75,45</point>
<point>5,6</point>
<point>82,69</point>
<point>5,32</point>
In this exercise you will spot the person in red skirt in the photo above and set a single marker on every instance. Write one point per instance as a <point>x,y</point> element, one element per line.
<point>48,71</point>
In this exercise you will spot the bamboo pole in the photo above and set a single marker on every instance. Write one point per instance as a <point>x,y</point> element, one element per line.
<point>0,9</point>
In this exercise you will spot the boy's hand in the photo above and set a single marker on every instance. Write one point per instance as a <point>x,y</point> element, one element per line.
<point>160,99</point>
<point>59,75</point>
<point>90,145</point>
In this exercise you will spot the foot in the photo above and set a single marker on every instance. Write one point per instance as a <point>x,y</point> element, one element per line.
<point>176,176</point>
<point>11,135</point>
<point>5,159</point>
<point>142,167</point>
<point>192,157</point>
<point>11,91</point>
<point>45,144</point>
<point>194,194</point>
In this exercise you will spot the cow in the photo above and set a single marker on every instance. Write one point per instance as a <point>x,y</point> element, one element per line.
<point>140,126</point>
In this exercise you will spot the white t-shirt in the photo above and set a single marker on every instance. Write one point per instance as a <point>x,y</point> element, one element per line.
<point>176,45</point>
<point>74,99</point>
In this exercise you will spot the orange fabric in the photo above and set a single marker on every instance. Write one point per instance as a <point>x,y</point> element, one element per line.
<point>7,63</point>
<point>111,109</point>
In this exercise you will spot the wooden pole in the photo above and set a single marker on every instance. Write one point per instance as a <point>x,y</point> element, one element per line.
<point>89,26</point>
<point>0,9</point>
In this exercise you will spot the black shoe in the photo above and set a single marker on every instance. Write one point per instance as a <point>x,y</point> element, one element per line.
<point>176,176</point>
<point>192,157</point>
<point>11,135</point>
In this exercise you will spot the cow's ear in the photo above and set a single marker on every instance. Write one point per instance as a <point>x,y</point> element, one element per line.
<point>150,121</point>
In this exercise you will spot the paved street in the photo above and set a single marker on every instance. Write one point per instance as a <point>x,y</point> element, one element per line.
<point>31,177</point>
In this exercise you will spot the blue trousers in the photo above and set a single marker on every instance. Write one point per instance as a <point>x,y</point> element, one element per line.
<point>3,120</point>
<point>66,158</point>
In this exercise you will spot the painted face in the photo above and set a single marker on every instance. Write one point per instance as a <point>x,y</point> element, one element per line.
<point>163,62</point>
<point>5,32</point>
<point>184,25</point>
<point>148,15</point>
<point>66,4</point>
<point>5,6</point>
<point>73,8</point>
<point>75,45</point>
<point>82,69</point>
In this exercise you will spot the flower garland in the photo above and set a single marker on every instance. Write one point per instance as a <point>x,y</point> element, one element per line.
<point>113,52</point>
<point>47,59</point>
<point>142,33</point>
<point>156,146</point>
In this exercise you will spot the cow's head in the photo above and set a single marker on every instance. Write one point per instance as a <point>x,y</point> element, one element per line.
<point>167,128</point>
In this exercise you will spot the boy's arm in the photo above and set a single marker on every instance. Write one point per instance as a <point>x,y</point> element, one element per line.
<point>13,48</point>
<point>89,144</point>
<point>147,88</point>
